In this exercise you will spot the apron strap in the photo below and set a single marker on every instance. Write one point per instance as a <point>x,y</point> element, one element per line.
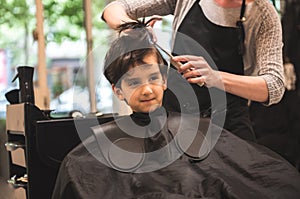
<point>243,9</point>
<point>241,29</point>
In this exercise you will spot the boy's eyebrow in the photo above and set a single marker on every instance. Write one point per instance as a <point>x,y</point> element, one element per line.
<point>129,79</point>
<point>156,73</point>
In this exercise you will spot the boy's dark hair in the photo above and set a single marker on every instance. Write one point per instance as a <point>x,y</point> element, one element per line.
<point>129,50</point>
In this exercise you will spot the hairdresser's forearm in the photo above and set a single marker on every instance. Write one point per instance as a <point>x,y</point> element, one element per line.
<point>249,87</point>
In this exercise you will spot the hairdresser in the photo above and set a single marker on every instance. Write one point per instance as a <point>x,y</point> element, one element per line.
<point>229,45</point>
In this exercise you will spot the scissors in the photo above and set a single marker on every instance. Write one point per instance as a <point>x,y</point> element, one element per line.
<point>174,63</point>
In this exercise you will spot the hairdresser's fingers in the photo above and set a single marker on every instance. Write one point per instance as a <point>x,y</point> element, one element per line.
<point>153,19</point>
<point>194,73</point>
<point>197,80</point>
<point>151,23</point>
<point>191,65</point>
<point>194,61</point>
<point>187,58</point>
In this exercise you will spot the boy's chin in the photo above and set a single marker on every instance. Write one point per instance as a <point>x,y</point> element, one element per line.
<point>152,108</point>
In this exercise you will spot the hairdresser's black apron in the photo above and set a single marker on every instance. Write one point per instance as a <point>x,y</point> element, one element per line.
<point>221,43</point>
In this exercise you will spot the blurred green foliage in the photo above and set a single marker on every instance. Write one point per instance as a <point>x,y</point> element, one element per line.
<point>63,20</point>
<point>15,12</point>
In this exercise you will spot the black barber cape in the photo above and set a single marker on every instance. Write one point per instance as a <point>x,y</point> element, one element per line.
<point>234,168</point>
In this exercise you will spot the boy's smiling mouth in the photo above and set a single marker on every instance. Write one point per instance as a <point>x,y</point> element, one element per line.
<point>147,100</point>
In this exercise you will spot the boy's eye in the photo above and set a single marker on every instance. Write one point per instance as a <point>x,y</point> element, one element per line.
<point>155,78</point>
<point>133,83</point>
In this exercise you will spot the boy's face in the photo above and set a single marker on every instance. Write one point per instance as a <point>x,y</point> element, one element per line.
<point>142,87</point>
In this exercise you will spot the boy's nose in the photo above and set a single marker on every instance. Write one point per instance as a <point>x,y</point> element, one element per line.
<point>146,89</point>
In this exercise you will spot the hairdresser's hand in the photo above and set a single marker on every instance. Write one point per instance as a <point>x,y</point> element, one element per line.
<point>196,70</point>
<point>153,19</point>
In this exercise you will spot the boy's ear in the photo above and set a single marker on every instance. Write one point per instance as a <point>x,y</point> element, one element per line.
<point>118,92</point>
<point>164,82</point>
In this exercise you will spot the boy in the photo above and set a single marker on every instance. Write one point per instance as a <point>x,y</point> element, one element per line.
<point>137,72</point>
<point>135,68</point>
<point>141,155</point>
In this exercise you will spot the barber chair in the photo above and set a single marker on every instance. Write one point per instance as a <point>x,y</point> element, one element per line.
<point>36,143</point>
